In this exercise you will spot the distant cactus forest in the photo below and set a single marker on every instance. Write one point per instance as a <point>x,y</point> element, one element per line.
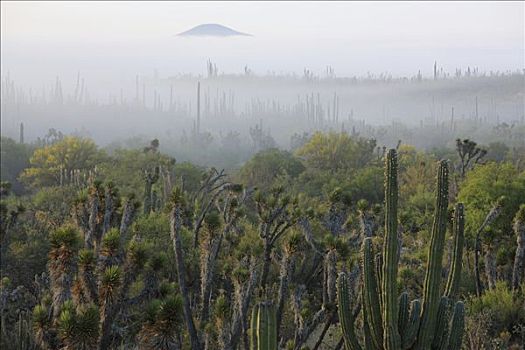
<point>341,235</point>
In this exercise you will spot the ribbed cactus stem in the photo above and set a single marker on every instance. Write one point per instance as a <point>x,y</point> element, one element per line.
<point>263,332</point>
<point>391,338</point>
<point>262,328</point>
<point>431,290</point>
<point>379,274</point>
<point>409,335</point>
<point>454,276</point>
<point>346,317</point>
<point>442,320</point>
<point>456,327</point>
<point>371,295</point>
<point>272,327</point>
<point>253,328</point>
<point>403,313</point>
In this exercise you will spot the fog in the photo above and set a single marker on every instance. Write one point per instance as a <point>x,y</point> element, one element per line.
<point>117,72</point>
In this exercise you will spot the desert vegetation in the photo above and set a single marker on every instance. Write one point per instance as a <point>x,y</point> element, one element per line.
<point>262,176</point>
<point>338,243</point>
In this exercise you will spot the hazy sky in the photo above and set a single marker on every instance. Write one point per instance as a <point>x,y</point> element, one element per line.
<point>115,40</point>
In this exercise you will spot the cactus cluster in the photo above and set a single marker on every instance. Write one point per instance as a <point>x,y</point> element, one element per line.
<point>391,322</point>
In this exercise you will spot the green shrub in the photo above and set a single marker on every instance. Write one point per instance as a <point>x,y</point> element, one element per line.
<point>506,309</point>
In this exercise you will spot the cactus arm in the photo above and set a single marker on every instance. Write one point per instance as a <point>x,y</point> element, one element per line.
<point>402,320</point>
<point>391,337</point>
<point>457,327</point>
<point>272,327</point>
<point>371,295</point>
<point>431,290</point>
<point>410,334</point>
<point>346,317</point>
<point>262,327</point>
<point>442,321</point>
<point>253,328</point>
<point>454,277</point>
<point>366,330</point>
<point>379,274</point>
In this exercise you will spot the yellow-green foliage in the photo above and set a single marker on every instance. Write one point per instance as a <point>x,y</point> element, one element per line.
<point>71,153</point>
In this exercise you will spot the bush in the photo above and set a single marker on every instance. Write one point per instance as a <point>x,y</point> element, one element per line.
<point>506,309</point>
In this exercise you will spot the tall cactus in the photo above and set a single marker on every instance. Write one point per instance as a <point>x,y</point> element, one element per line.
<point>263,332</point>
<point>431,289</point>
<point>371,295</point>
<point>457,327</point>
<point>389,322</point>
<point>346,316</point>
<point>454,276</point>
<point>391,339</point>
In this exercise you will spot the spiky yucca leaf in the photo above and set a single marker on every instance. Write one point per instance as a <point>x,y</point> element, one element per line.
<point>177,197</point>
<point>86,258</point>
<point>213,220</point>
<point>240,273</point>
<point>87,322</point>
<point>110,282</point>
<point>167,288</point>
<point>79,329</point>
<point>170,311</point>
<point>137,253</point>
<point>221,307</point>
<point>293,242</point>
<point>151,311</point>
<point>40,316</point>
<point>66,323</point>
<point>157,261</point>
<point>111,242</point>
<point>65,236</point>
<point>162,324</point>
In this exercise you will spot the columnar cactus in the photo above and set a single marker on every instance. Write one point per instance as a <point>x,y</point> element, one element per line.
<point>431,289</point>
<point>459,237</point>
<point>263,332</point>
<point>346,316</point>
<point>392,323</point>
<point>456,327</point>
<point>391,339</point>
<point>371,295</point>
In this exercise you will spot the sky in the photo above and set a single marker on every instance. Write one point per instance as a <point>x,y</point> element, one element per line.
<point>113,41</point>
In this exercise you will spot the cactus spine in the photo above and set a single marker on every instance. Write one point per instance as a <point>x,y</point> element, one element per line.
<point>263,333</point>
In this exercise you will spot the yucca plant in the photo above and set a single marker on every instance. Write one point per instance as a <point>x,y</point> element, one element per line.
<point>162,324</point>
<point>79,329</point>
<point>90,287</point>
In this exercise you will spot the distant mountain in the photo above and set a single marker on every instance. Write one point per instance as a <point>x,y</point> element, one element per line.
<point>212,29</point>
